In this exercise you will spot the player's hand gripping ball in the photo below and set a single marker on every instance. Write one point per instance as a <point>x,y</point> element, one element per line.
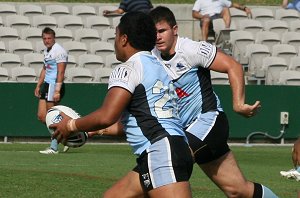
<point>53,116</point>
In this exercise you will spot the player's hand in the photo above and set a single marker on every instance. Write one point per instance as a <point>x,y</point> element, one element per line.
<point>296,153</point>
<point>61,132</point>
<point>247,110</point>
<point>37,92</point>
<point>56,97</point>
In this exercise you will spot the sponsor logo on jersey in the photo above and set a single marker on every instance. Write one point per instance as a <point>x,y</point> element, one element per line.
<point>57,119</point>
<point>120,74</point>
<point>205,49</point>
<point>146,179</point>
<point>181,93</point>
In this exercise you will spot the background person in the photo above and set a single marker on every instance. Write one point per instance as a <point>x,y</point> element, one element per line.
<point>295,4</point>
<point>295,172</point>
<point>208,10</point>
<point>130,6</point>
<point>138,91</point>
<point>50,87</point>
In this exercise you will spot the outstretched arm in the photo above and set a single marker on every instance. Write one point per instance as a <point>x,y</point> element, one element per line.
<point>226,64</point>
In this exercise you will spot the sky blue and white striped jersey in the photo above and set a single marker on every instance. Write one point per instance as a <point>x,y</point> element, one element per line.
<point>150,115</point>
<point>191,77</point>
<point>56,55</point>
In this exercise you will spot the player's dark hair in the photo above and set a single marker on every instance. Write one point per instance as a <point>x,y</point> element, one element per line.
<point>48,30</point>
<point>140,30</point>
<point>161,13</point>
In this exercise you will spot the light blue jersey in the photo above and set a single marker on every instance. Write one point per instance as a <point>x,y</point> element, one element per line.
<point>191,77</point>
<point>150,114</point>
<point>56,55</point>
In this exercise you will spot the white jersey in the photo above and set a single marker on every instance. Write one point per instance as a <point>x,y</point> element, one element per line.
<point>150,116</point>
<point>56,55</point>
<point>211,7</point>
<point>191,78</point>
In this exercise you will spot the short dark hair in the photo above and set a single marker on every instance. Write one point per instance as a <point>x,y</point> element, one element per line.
<point>140,30</point>
<point>48,30</point>
<point>161,13</point>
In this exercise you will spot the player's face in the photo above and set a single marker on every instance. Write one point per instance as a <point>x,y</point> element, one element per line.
<point>48,40</point>
<point>166,37</point>
<point>119,40</point>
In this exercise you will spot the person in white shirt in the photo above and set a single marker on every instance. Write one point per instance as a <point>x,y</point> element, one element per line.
<point>208,10</point>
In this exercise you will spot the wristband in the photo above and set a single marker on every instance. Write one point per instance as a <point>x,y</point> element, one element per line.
<point>71,125</point>
<point>58,87</point>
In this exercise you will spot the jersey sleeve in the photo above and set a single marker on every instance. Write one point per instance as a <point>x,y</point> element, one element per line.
<point>61,56</point>
<point>125,76</point>
<point>200,54</point>
<point>226,3</point>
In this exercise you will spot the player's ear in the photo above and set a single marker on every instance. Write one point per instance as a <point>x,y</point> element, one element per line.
<point>124,39</point>
<point>175,30</point>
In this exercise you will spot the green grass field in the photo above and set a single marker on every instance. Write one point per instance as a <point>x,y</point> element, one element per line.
<point>87,171</point>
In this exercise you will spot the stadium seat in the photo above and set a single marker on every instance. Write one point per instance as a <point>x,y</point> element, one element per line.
<point>250,25</point>
<point>57,10</point>
<point>30,10</point>
<point>218,78</point>
<point>23,74</point>
<point>291,38</point>
<point>4,76</point>
<point>70,22</point>
<point>273,66</point>
<point>295,63</point>
<point>267,38</point>
<point>286,15</point>
<point>32,34</point>
<point>39,47</point>
<point>239,41</point>
<point>222,34</point>
<point>8,34</point>
<point>2,47</point>
<point>285,51</point>
<point>116,21</point>
<point>111,61</point>
<point>20,47</point>
<point>294,26</point>
<point>7,9</point>
<point>102,74</point>
<point>79,75</point>
<point>75,48</point>
<point>34,60</point>
<point>256,53</point>
<point>237,15</point>
<point>83,11</point>
<point>87,35</point>
<point>277,26</point>
<point>262,14</point>
<point>102,49</point>
<point>108,35</point>
<point>98,23</point>
<point>63,35</point>
<point>90,61</point>
<point>18,22</point>
<point>71,61</point>
<point>9,61</point>
<point>42,21</point>
<point>289,77</point>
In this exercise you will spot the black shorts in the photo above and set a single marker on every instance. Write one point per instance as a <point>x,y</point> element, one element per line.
<point>165,162</point>
<point>215,143</point>
<point>47,91</point>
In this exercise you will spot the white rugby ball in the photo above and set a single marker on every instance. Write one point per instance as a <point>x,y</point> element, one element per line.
<point>53,116</point>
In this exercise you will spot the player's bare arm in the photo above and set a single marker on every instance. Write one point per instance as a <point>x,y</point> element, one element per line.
<point>226,64</point>
<point>40,82</point>
<point>109,113</point>
<point>61,67</point>
<point>296,153</point>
